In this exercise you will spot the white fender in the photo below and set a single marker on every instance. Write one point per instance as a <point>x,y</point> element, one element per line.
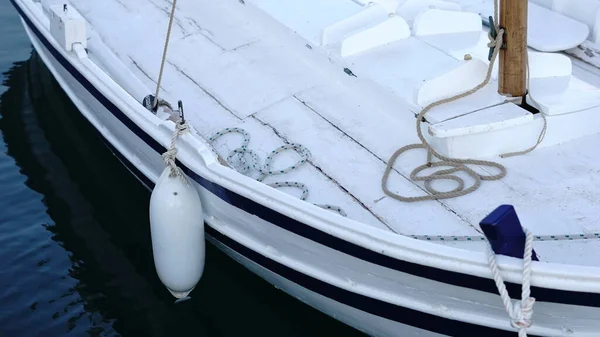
<point>177,230</point>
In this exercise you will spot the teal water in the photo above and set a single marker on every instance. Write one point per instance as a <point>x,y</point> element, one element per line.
<point>75,251</point>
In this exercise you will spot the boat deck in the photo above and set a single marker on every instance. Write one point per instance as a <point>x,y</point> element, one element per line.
<point>239,66</point>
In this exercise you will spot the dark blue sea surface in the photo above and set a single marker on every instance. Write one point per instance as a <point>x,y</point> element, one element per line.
<point>75,250</point>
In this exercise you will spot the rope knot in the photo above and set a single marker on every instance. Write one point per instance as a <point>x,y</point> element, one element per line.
<point>182,128</point>
<point>495,41</point>
<point>523,311</point>
<point>520,312</point>
<point>170,156</point>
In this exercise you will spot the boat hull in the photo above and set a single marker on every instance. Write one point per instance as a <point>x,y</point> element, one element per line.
<point>340,279</point>
<point>370,324</point>
<point>86,102</point>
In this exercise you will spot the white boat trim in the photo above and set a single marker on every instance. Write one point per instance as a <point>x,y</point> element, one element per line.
<point>555,283</point>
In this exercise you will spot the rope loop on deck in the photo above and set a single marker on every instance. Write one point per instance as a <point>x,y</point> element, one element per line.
<point>244,160</point>
<point>520,312</point>
<point>447,168</point>
<point>455,165</point>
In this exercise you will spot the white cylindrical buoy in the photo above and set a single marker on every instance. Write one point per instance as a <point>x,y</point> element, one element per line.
<point>177,230</point>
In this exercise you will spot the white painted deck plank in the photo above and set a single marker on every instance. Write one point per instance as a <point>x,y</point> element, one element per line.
<point>554,189</point>
<point>386,32</point>
<point>230,30</point>
<point>485,120</point>
<point>560,95</point>
<point>245,79</point>
<point>308,18</point>
<point>363,120</point>
<point>209,113</point>
<point>253,77</point>
<point>564,33</point>
<point>354,168</point>
<point>404,67</point>
<point>458,45</point>
<point>434,21</point>
<point>383,133</point>
<point>177,82</point>
<point>539,185</point>
<point>322,190</point>
<point>551,190</point>
<point>411,9</point>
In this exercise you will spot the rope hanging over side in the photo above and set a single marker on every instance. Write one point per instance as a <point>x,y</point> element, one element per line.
<point>170,156</point>
<point>520,312</point>
<point>152,103</point>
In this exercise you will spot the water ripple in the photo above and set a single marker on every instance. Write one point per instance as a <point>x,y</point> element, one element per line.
<point>75,251</point>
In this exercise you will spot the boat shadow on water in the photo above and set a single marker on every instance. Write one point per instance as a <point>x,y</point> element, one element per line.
<point>100,213</point>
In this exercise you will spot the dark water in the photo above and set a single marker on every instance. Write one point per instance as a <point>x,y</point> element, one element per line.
<point>75,251</point>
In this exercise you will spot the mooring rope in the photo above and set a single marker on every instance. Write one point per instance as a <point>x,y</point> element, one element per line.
<point>164,56</point>
<point>455,164</point>
<point>170,156</point>
<point>520,312</point>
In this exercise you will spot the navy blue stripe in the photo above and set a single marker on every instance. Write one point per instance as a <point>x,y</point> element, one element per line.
<point>367,304</point>
<point>134,170</point>
<point>296,227</point>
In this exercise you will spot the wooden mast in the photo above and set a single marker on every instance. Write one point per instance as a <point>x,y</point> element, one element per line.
<point>512,77</point>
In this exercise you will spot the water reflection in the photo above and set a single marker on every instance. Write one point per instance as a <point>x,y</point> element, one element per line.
<point>76,243</point>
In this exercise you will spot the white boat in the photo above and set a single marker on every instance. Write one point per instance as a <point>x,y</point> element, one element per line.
<point>345,79</point>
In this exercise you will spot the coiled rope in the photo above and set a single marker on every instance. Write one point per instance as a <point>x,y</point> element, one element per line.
<point>248,161</point>
<point>520,313</point>
<point>456,165</point>
<point>240,153</point>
